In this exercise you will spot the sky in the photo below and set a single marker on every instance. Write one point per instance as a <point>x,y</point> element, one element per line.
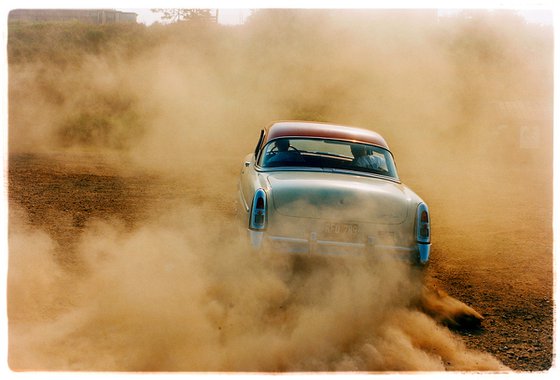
<point>231,16</point>
<point>226,16</point>
<point>236,11</point>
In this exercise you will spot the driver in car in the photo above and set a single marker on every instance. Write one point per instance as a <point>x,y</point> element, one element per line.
<point>284,154</point>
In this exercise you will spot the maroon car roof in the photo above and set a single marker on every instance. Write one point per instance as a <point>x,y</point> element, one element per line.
<point>324,130</point>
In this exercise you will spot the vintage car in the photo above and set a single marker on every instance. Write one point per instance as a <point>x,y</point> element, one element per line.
<point>314,188</point>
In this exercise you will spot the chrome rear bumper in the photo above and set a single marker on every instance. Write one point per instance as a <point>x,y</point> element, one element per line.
<point>314,246</point>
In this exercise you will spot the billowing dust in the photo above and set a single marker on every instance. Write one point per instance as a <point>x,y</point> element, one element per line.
<point>170,296</point>
<point>177,289</point>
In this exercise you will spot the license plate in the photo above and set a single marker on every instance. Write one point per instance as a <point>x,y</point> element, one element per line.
<point>341,230</point>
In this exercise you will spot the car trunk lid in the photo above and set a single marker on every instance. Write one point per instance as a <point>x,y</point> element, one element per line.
<point>342,197</point>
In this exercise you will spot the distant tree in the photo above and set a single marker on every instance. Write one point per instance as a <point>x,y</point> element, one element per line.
<point>180,14</point>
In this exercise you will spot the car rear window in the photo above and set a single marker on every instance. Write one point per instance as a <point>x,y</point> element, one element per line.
<point>325,153</point>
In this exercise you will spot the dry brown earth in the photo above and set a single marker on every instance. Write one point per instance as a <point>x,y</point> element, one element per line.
<point>493,252</point>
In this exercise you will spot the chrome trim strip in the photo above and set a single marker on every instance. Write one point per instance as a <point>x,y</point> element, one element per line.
<point>395,247</point>
<point>286,239</point>
<point>340,243</point>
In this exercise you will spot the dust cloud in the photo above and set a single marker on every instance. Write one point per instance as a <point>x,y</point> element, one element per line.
<point>180,291</point>
<point>168,96</point>
<point>169,296</point>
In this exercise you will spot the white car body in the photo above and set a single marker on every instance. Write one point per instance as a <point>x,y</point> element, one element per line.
<point>318,198</point>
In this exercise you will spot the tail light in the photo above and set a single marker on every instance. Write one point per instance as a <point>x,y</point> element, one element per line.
<point>423,232</point>
<point>257,220</point>
<point>422,224</point>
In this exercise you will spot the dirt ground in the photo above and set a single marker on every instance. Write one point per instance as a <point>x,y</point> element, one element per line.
<point>492,252</point>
